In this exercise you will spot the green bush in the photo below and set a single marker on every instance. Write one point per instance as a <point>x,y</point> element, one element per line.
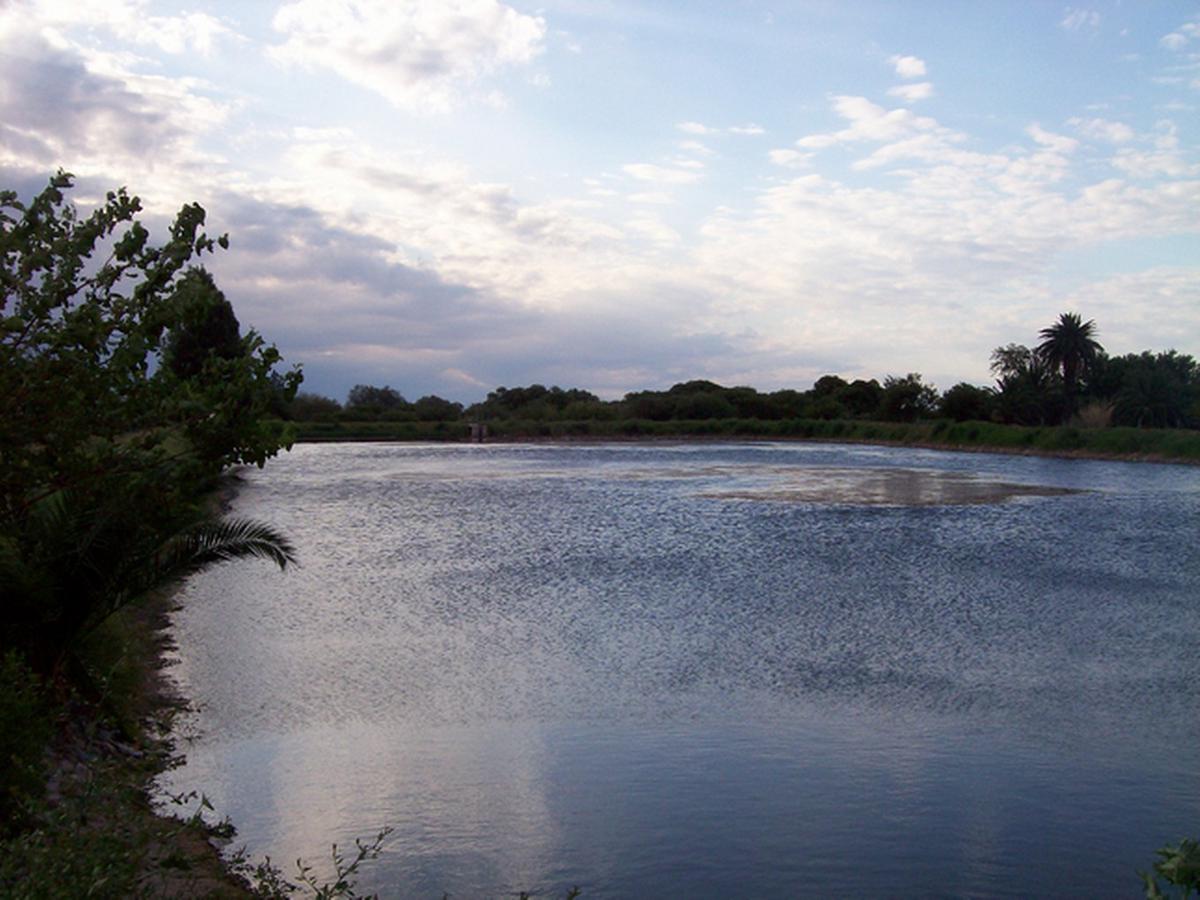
<point>25,732</point>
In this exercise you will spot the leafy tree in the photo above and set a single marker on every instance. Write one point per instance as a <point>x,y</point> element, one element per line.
<point>103,455</point>
<point>207,326</point>
<point>654,405</point>
<point>828,386</point>
<point>750,404</point>
<point>533,402</point>
<point>861,397</point>
<point>1069,347</point>
<point>907,399</point>
<point>1012,361</point>
<point>825,407</point>
<point>590,411</point>
<point>434,409</point>
<point>306,407</point>
<point>1027,391</point>
<point>965,402</point>
<point>1157,390</point>
<point>368,397</point>
<point>697,386</point>
<point>788,402</point>
<point>79,397</point>
<point>703,405</point>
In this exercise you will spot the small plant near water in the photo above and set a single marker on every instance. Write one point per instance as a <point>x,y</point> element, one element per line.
<point>1179,866</point>
<point>267,880</point>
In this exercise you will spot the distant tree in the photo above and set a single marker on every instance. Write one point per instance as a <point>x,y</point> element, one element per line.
<point>366,396</point>
<point>861,398</point>
<point>750,404</point>
<point>965,402</point>
<point>828,386</point>
<point>1069,347</point>
<point>825,407</point>
<point>306,407</point>
<point>697,386</point>
<point>654,405</point>
<point>589,411</point>
<point>1157,390</point>
<point>1028,392</point>
<point>703,405</point>
<point>789,403</point>
<point>907,399</point>
<point>434,409</point>
<point>1013,360</point>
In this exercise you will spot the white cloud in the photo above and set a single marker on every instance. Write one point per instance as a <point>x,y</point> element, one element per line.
<point>1056,142</point>
<point>1182,36</point>
<point>1164,160</point>
<point>653,229</point>
<point>947,238</point>
<point>698,128</point>
<point>419,54</point>
<point>908,66</point>
<point>697,147</point>
<point>661,174</point>
<point>655,198</point>
<point>62,104</point>
<point>911,93</point>
<point>132,20</point>
<point>868,122</point>
<point>1080,20</point>
<point>1103,130</point>
<point>792,159</point>
<point>1120,302</point>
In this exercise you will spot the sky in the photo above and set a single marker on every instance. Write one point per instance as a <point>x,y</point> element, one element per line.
<point>446,196</point>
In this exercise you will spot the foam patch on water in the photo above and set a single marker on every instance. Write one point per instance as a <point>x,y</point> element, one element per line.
<point>884,487</point>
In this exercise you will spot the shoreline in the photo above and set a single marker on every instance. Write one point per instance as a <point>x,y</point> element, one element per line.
<point>1006,450</point>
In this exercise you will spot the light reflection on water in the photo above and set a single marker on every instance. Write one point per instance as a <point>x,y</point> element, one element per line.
<point>601,665</point>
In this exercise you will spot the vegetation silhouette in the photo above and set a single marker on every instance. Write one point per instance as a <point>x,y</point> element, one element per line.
<point>1069,347</point>
<point>1067,381</point>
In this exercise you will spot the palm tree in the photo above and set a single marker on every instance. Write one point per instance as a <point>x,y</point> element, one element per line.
<point>1069,346</point>
<point>75,561</point>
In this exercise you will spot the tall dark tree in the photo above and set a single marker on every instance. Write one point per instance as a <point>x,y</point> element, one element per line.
<point>1070,347</point>
<point>207,326</point>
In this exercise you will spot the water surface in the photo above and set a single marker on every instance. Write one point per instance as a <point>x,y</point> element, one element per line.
<point>707,670</point>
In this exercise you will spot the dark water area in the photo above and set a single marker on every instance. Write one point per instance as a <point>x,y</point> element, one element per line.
<point>707,670</point>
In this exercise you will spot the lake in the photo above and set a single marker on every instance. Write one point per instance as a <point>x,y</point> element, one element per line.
<point>706,670</point>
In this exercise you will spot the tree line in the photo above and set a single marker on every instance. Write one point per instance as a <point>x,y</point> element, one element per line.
<point>1065,378</point>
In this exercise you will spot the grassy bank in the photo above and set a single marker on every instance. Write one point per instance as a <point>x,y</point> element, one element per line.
<point>1167,445</point>
<point>78,816</point>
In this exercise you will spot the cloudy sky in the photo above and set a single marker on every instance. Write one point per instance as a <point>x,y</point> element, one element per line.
<point>450,195</point>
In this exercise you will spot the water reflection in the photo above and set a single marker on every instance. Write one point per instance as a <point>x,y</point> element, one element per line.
<point>599,665</point>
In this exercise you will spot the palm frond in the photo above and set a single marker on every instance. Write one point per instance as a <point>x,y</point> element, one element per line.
<point>225,540</point>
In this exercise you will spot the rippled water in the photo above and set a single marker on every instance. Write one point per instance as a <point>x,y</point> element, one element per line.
<point>707,670</point>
